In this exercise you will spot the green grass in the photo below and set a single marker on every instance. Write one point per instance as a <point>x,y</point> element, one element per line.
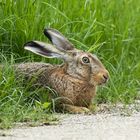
<point>109,28</point>
<point>20,103</point>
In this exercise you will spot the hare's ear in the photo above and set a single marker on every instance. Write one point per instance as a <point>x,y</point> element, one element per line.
<point>43,49</point>
<point>58,40</point>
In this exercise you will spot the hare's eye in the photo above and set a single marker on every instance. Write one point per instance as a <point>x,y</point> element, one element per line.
<point>85,60</point>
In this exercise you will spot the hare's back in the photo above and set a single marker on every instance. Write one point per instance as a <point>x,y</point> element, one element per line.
<point>32,67</point>
<point>29,67</point>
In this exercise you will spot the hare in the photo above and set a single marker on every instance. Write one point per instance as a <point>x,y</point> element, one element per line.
<point>75,80</point>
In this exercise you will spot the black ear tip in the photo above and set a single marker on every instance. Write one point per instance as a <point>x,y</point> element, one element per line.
<point>30,43</point>
<point>45,30</point>
<point>46,33</point>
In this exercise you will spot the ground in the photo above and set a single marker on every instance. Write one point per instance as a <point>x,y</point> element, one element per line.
<point>107,125</point>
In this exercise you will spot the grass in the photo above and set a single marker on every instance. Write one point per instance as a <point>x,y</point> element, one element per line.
<point>109,28</point>
<point>19,103</point>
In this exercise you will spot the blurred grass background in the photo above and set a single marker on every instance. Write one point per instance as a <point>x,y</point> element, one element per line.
<point>108,28</point>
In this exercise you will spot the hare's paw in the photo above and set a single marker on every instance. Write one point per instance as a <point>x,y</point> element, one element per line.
<point>76,109</point>
<point>82,110</point>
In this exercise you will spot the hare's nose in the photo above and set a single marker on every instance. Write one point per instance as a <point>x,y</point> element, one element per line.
<point>106,76</point>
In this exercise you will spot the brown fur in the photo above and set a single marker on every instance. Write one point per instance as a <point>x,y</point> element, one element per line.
<point>75,81</point>
<point>72,90</point>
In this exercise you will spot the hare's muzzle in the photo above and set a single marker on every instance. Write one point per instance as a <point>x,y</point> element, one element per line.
<point>103,77</point>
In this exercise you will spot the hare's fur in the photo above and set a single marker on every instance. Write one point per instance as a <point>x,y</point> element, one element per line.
<point>72,90</point>
<point>74,81</point>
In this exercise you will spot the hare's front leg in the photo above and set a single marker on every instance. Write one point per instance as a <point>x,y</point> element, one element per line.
<point>76,109</point>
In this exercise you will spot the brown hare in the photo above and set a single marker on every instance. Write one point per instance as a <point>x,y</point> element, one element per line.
<point>75,80</point>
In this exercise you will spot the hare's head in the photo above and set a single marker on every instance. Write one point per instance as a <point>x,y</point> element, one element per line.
<point>79,64</point>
